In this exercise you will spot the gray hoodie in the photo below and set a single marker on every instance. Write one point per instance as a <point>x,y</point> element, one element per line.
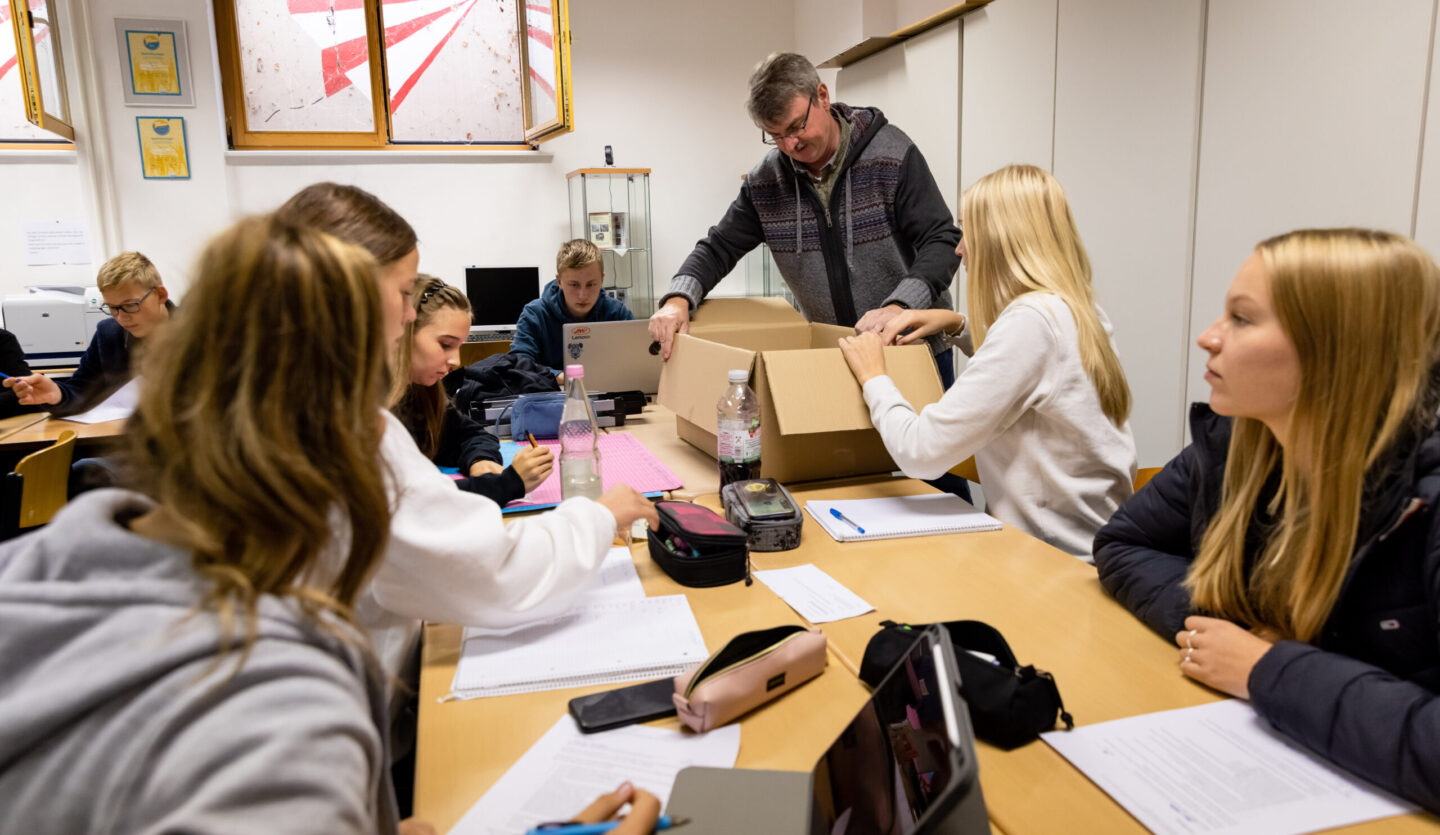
<point>115,716</point>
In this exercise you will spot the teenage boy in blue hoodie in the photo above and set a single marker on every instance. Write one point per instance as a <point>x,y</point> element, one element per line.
<point>574,296</point>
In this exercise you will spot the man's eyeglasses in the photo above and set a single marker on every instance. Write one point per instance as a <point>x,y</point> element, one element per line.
<point>126,307</point>
<point>795,130</point>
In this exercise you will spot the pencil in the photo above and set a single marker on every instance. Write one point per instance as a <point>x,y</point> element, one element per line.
<point>531,436</point>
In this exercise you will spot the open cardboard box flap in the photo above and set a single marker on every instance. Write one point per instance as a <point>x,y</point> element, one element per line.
<point>813,391</point>
<point>749,313</point>
<point>691,388</point>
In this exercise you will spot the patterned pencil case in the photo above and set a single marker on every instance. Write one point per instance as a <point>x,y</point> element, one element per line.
<point>750,670</point>
<point>697,547</point>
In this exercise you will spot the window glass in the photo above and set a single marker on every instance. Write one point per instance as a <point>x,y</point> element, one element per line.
<point>453,70</point>
<point>540,37</point>
<point>305,65</point>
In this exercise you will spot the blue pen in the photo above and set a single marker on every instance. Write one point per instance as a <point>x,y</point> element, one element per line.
<point>665,822</point>
<point>846,519</point>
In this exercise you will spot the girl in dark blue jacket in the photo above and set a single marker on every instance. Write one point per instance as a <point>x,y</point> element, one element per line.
<point>1292,551</point>
<point>428,352</point>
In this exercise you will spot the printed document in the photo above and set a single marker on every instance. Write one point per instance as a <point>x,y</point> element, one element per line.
<point>563,772</point>
<point>1218,768</point>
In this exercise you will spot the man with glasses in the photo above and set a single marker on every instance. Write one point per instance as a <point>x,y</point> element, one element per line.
<point>138,303</point>
<point>847,205</point>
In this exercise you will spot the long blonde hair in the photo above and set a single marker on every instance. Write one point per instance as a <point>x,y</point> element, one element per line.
<point>414,404</point>
<point>1362,309</point>
<point>1021,238</point>
<point>258,424</point>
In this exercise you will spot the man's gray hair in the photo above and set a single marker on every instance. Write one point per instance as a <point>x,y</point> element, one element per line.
<point>776,82</point>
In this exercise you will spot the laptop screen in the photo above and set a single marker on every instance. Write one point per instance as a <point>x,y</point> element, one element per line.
<point>498,294</point>
<point>906,754</point>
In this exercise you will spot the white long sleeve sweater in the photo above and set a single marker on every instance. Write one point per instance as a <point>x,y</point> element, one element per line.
<point>451,559</point>
<point>1050,461</point>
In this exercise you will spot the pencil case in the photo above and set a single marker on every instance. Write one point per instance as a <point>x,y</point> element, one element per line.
<point>1010,704</point>
<point>773,534</point>
<point>697,547</point>
<point>750,670</point>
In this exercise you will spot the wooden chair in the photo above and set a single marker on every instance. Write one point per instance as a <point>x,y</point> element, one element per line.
<point>1143,476</point>
<point>966,470</point>
<point>46,481</point>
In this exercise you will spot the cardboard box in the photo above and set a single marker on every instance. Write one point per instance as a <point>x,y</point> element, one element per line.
<point>813,419</point>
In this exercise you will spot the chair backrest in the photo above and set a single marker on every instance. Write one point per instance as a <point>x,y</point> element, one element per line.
<point>47,480</point>
<point>966,469</point>
<point>1143,476</point>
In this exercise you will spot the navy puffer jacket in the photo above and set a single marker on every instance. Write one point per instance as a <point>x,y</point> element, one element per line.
<point>1366,694</point>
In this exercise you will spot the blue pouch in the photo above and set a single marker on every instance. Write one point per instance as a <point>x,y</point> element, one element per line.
<point>537,414</point>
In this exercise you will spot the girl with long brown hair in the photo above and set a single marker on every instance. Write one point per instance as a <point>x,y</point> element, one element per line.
<point>1292,551</point>
<point>183,654</point>
<point>451,559</point>
<point>429,351</point>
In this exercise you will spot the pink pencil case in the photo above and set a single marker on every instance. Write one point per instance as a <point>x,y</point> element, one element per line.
<point>750,670</point>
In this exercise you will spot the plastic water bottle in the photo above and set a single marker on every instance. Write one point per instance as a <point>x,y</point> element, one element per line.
<point>738,436</point>
<point>579,449</point>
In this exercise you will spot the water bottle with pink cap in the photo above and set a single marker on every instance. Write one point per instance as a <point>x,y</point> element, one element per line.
<point>579,447</point>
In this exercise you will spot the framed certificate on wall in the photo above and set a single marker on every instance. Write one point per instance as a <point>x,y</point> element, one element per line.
<point>154,62</point>
<point>164,152</point>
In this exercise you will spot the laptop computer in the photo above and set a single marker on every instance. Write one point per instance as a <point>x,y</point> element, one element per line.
<point>905,765</point>
<point>616,355</point>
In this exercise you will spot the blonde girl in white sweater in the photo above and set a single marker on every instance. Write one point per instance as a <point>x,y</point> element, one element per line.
<point>1043,404</point>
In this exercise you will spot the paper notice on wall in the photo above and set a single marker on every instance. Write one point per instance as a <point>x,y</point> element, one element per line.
<point>49,242</point>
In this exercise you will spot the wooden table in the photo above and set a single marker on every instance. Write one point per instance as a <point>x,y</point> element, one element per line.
<point>45,430</point>
<point>1048,604</point>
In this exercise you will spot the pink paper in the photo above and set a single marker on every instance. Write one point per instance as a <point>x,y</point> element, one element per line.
<point>623,460</point>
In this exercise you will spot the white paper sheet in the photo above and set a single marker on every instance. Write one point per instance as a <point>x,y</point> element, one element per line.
<point>595,643</point>
<point>565,770</point>
<point>818,597</point>
<point>117,406</point>
<point>1218,768</point>
<point>49,242</point>
<point>616,579</point>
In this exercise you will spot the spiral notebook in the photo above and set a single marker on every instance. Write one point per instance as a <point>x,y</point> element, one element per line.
<point>597,642</point>
<point>900,516</point>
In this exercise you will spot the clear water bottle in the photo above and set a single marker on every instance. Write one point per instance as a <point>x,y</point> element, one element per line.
<point>579,446</point>
<point>738,422</point>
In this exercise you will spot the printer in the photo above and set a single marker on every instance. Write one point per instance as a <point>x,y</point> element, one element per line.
<point>54,324</point>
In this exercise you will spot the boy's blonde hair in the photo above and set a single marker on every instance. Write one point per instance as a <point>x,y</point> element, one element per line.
<point>576,255</point>
<point>127,267</point>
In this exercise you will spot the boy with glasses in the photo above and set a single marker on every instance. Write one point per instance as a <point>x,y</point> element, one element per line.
<point>138,304</point>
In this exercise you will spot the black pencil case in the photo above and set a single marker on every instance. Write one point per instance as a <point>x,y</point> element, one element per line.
<point>1010,704</point>
<point>697,547</point>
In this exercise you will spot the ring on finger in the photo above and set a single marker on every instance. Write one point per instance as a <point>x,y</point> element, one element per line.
<point>1190,640</point>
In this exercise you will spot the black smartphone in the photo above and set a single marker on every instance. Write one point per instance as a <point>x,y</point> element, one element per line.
<point>625,706</point>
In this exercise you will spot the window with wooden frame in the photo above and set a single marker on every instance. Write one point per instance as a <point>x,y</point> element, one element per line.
<point>365,74</point>
<point>34,108</point>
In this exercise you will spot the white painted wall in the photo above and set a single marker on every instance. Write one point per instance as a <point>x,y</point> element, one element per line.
<point>1007,87</point>
<point>1126,116</point>
<point>38,185</point>
<point>1312,117</point>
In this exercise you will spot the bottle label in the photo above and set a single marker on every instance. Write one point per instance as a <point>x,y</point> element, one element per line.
<point>738,441</point>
